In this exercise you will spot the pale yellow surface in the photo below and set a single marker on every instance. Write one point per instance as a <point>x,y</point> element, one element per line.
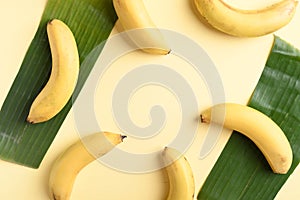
<point>239,62</point>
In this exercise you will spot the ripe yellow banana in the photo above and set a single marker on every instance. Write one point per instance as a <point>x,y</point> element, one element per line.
<point>134,16</point>
<point>246,23</point>
<point>263,131</point>
<point>180,175</point>
<point>65,68</point>
<point>66,167</point>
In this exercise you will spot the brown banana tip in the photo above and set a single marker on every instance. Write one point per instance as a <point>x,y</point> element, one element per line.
<point>202,119</point>
<point>53,196</point>
<point>30,121</point>
<point>50,21</point>
<point>164,150</point>
<point>169,52</point>
<point>123,137</point>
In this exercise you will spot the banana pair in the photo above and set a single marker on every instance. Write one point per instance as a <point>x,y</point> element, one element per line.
<point>233,21</point>
<point>80,154</point>
<point>65,59</point>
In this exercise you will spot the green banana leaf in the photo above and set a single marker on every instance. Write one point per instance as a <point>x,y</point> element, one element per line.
<point>91,21</point>
<point>241,171</point>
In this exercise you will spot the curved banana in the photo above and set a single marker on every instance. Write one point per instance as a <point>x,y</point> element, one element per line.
<point>65,68</point>
<point>181,179</point>
<point>246,23</point>
<point>263,131</point>
<point>66,167</point>
<point>134,16</point>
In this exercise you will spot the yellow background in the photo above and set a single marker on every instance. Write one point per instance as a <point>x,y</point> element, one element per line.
<point>240,62</point>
